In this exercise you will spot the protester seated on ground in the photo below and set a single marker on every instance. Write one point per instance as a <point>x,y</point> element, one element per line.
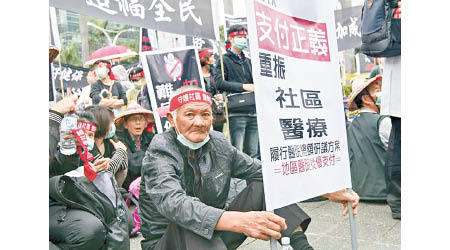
<point>134,129</point>
<point>60,163</point>
<point>87,213</point>
<point>100,90</point>
<point>368,136</point>
<point>186,175</point>
<point>107,148</point>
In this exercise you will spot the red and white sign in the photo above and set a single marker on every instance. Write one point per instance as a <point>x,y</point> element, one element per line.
<point>298,95</point>
<point>291,36</point>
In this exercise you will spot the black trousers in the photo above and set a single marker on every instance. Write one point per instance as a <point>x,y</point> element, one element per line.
<point>75,229</point>
<point>393,168</point>
<point>250,199</point>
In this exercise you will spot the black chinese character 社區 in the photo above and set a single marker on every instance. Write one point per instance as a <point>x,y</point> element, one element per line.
<point>310,99</point>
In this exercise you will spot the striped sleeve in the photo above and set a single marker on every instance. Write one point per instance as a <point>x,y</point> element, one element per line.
<point>119,161</point>
<point>55,116</point>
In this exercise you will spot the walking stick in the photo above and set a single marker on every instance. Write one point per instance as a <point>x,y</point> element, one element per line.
<point>60,75</point>
<point>352,223</point>
<point>226,127</point>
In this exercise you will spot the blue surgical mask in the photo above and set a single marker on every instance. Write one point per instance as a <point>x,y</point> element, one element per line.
<point>90,143</point>
<point>186,142</point>
<point>189,144</point>
<point>378,102</point>
<point>101,72</point>
<point>112,131</point>
<point>240,43</point>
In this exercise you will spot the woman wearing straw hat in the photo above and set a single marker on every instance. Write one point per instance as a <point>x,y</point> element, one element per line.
<point>134,129</point>
<point>368,136</point>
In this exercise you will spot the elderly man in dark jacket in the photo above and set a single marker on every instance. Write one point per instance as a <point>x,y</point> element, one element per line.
<point>186,176</point>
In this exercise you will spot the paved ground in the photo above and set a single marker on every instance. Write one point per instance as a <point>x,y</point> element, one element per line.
<point>329,230</point>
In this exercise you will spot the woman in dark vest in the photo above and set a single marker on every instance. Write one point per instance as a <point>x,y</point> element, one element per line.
<point>368,136</point>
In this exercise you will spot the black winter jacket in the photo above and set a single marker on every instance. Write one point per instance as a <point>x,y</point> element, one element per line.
<point>236,73</point>
<point>135,156</point>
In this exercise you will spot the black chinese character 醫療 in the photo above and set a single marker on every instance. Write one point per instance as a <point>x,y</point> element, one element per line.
<point>279,67</point>
<point>310,99</point>
<point>265,64</point>
<point>292,128</point>
<point>280,98</point>
<point>317,127</point>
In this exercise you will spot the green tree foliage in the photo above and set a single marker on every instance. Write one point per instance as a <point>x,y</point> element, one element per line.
<point>347,88</point>
<point>71,41</point>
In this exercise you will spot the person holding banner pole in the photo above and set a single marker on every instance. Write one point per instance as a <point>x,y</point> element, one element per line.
<point>186,175</point>
<point>238,78</point>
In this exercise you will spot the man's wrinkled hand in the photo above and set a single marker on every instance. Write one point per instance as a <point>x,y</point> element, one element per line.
<point>262,225</point>
<point>342,196</point>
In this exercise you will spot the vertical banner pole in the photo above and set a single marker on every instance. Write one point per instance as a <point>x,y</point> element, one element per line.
<point>226,126</point>
<point>352,223</point>
<point>60,74</point>
<point>273,241</point>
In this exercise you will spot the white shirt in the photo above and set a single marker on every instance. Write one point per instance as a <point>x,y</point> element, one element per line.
<point>384,131</point>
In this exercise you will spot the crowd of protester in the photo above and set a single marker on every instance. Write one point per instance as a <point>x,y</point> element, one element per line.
<point>196,189</point>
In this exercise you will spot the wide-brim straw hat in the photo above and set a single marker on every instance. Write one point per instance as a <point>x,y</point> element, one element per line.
<point>133,109</point>
<point>357,87</point>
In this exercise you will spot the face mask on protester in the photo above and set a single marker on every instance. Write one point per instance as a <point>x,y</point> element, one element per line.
<point>186,142</point>
<point>137,84</point>
<point>90,143</point>
<point>101,72</point>
<point>240,43</point>
<point>378,95</point>
<point>112,131</point>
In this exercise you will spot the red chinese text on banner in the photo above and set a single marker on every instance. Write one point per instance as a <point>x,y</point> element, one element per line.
<point>291,36</point>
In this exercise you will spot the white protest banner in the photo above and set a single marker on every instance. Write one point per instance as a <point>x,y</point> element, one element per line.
<point>298,100</point>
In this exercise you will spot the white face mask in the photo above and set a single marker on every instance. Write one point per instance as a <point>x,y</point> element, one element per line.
<point>101,72</point>
<point>90,143</point>
<point>186,142</point>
